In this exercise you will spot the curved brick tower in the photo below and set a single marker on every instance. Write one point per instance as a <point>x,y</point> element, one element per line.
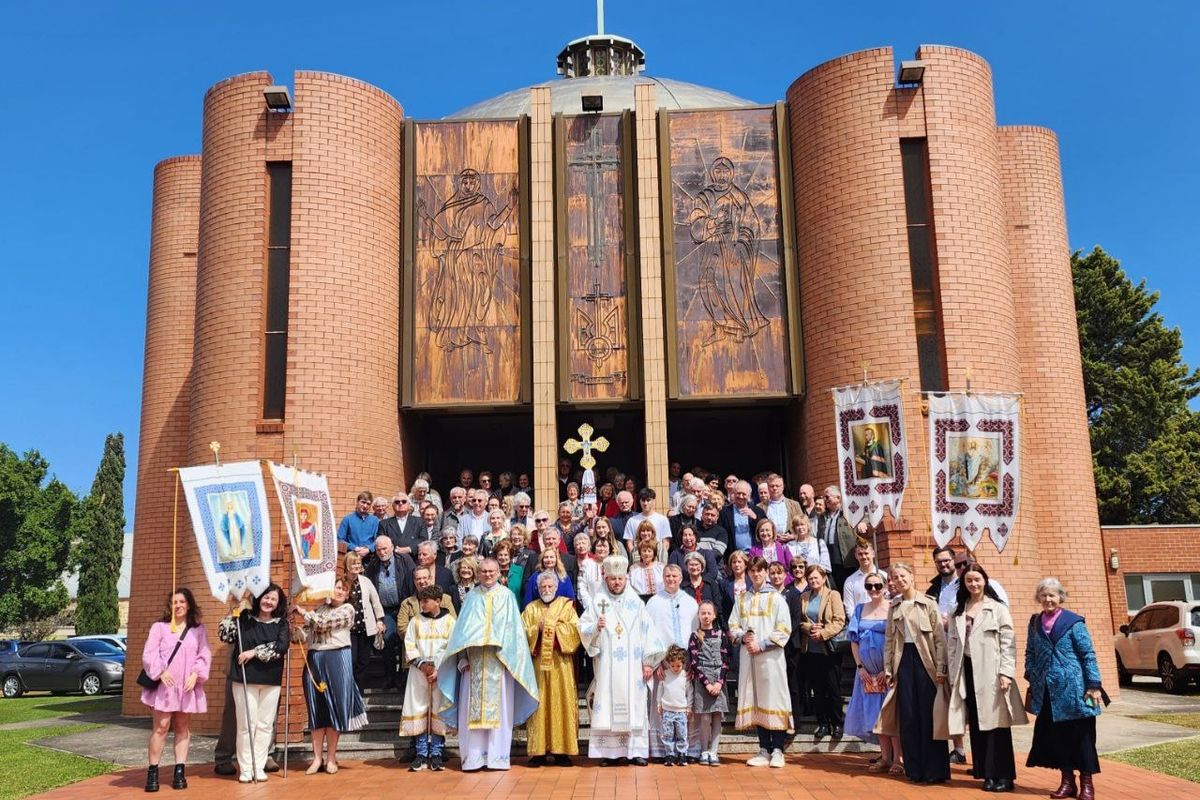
<point>166,390</point>
<point>1056,434</point>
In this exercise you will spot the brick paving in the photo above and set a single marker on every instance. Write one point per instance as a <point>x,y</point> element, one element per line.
<point>824,777</point>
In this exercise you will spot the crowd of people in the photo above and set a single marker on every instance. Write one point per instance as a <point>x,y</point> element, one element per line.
<point>489,614</point>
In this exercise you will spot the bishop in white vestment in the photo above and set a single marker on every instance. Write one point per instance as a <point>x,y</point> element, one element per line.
<point>617,633</point>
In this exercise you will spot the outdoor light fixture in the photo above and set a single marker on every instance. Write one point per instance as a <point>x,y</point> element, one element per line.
<point>593,102</point>
<point>278,98</point>
<point>911,72</point>
<point>1114,559</point>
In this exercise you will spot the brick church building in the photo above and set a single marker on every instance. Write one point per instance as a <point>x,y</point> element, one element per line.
<point>375,295</point>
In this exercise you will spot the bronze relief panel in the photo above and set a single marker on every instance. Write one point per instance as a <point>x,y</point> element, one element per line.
<point>466,283</point>
<point>596,299</point>
<point>727,272</point>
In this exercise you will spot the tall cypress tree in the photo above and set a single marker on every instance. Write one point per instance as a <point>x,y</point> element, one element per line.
<point>100,535</point>
<point>1144,436</point>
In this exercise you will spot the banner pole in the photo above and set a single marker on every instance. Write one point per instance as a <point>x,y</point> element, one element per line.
<point>237,624</point>
<point>287,698</point>
<point>175,541</point>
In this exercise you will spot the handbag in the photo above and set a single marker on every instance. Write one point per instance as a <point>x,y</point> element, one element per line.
<point>145,681</point>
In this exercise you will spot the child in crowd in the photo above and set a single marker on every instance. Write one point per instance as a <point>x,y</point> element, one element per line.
<point>673,704</point>
<point>708,663</point>
<point>424,645</point>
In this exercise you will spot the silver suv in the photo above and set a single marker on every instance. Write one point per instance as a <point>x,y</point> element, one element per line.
<point>1161,640</point>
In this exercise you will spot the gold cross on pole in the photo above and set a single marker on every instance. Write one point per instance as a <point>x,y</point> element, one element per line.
<point>587,445</point>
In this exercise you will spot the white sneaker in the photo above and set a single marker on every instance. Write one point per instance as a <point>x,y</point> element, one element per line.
<point>760,760</point>
<point>245,777</point>
<point>777,759</point>
<point>261,777</point>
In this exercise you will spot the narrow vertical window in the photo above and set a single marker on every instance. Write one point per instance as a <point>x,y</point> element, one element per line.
<point>922,260</point>
<point>279,252</point>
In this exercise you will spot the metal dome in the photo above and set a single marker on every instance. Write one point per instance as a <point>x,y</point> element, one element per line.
<point>617,91</point>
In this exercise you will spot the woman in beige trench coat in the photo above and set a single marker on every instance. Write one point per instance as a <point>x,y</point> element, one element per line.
<point>982,655</point>
<point>914,660</point>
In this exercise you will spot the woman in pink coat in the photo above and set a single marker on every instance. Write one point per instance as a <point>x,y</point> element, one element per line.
<point>180,691</point>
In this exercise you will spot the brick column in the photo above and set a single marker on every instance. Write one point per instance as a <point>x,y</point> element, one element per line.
<point>541,189</point>
<point>166,385</point>
<point>654,365</point>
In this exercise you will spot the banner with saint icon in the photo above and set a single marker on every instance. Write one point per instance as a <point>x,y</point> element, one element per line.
<point>872,449</point>
<point>974,466</point>
<point>311,526</point>
<point>228,506</point>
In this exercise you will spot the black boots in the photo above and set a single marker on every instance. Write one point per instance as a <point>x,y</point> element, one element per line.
<point>152,778</point>
<point>179,781</point>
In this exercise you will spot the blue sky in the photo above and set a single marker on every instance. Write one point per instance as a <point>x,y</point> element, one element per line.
<point>94,94</point>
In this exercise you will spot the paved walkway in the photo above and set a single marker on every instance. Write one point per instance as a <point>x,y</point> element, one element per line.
<point>820,777</point>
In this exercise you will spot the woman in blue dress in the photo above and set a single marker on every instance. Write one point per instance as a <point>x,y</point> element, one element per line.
<point>866,632</point>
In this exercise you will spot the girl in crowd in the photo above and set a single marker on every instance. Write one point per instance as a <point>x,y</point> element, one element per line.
<point>777,576</point>
<point>797,688</point>
<point>768,548</point>
<point>914,660</point>
<point>867,632</point>
<point>603,530</point>
<point>822,618</point>
<point>807,547</point>
<point>339,708</point>
<point>549,561</point>
<point>368,628</point>
<point>176,655</point>
<point>1064,692</point>
<point>761,625</point>
<point>511,575</point>
<point>466,575</point>
<point>646,574</point>
<point>708,664</point>
<point>258,653</point>
<point>982,659</point>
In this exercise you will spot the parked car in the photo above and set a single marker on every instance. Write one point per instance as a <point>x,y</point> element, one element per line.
<point>111,638</point>
<point>88,666</point>
<point>1161,640</point>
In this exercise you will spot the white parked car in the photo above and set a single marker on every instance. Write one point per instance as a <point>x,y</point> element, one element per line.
<point>1161,640</point>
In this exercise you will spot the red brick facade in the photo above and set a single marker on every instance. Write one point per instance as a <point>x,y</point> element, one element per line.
<point>1146,549</point>
<point>1001,251</point>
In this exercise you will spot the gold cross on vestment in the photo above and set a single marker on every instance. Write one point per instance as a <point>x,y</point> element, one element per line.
<point>587,445</point>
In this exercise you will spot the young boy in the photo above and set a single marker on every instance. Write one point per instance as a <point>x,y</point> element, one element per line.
<point>674,703</point>
<point>424,645</point>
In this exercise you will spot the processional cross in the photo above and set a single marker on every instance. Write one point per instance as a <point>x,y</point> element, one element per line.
<point>587,445</point>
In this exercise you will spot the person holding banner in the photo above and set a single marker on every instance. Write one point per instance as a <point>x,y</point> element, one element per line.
<point>334,703</point>
<point>256,666</point>
<point>175,661</point>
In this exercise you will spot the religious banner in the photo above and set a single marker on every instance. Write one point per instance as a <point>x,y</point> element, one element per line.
<point>872,449</point>
<point>974,466</point>
<point>594,293</point>
<point>228,506</point>
<point>730,330</point>
<point>465,286</point>
<point>312,529</point>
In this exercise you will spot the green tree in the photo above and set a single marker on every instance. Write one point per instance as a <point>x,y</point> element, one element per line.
<point>99,537</point>
<point>1144,436</point>
<point>35,539</point>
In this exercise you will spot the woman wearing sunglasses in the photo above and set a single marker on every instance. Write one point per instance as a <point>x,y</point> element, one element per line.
<point>867,632</point>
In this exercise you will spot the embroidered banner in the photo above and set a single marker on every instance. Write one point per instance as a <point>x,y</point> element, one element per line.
<point>974,466</point>
<point>228,505</point>
<point>872,449</point>
<point>312,529</point>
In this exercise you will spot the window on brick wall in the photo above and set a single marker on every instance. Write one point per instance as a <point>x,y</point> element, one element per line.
<point>922,261</point>
<point>279,254</point>
<point>1142,589</point>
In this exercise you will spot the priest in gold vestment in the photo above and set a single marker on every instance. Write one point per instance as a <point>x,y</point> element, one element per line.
<point>553,630</point>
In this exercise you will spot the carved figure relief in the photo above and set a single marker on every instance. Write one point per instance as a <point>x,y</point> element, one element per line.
<point>728,277</point>
<point>466,278</point>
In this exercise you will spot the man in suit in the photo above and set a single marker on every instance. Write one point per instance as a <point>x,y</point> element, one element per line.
<point>739,518</point>
<point>427,556</point>
<point>625,503</point>
<point>404,528</point>
<point>779,509</point>
<point>392,574</point>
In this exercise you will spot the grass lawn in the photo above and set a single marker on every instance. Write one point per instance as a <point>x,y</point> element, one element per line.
<point>25,709</point>
<point>26,769</point>
<point>1181,759</point>
<point>1185,720</point>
